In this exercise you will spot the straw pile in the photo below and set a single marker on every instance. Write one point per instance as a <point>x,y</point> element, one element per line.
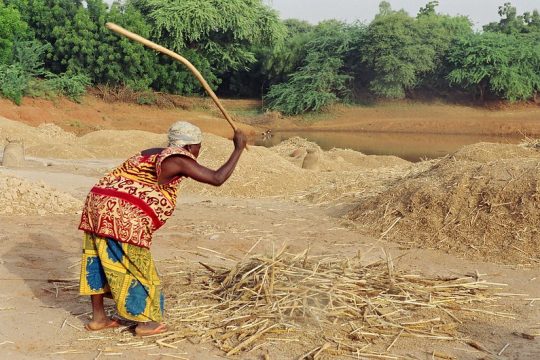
<point>481,203</point>
<point>339,305</point>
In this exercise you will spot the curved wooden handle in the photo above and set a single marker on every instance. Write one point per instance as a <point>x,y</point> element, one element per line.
<point>152,45</point>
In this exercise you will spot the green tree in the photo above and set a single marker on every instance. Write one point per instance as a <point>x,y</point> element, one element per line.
<point>12,27</point>
<point>395,53</point>
<point>215,35</point>
<point>323,79</point>
<point>47,18</point>
<point>439,32</point>
<point>429,10</point>
<point>504,65</point>
<point>512,23</point>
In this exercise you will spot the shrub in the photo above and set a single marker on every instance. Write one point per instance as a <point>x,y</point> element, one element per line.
<point>13,82</point>
<point>72,86</point>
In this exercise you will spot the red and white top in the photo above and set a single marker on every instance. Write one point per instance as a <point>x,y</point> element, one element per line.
<point>128,204</point>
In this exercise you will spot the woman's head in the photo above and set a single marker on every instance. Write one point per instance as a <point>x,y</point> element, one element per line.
<point>186,135</point>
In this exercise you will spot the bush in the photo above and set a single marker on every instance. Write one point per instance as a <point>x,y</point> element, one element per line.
<point>72,86</point>
<point>13,82</point>
<point>312,88</point>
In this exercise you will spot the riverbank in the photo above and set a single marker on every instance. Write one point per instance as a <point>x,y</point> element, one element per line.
<point>93,114</point>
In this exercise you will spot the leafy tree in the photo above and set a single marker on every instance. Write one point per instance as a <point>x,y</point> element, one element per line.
<point>512,23</point>
<point>48,19</point>
<point>120,60</point>
<point>439,32</point>
<point>429,10</point>
<point>273,64</point>
<point>322,81</point>
<point>11,27</point>
<point>26,62</point>
<point>395,53</point>
<point>217,36</point>
<point>505,65</point>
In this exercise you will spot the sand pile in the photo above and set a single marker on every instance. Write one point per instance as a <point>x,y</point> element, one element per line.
<point>49,140</point>
<point>120,143</point>
<point>21,197</point>
<point>261,172</point>
<point>295,149</point>
<point>482,203</point>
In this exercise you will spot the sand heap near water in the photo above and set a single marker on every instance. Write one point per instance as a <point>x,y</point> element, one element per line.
<point>260,172</point>
<point>21,197</point>
<point>264,172</point>
<point>481,202</point>
<point>49,140</point>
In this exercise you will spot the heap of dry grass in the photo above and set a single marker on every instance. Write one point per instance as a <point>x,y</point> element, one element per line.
<point>481,203</point>
<point>334,305</point>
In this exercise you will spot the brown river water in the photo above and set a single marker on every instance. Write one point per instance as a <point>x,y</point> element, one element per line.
<point>411,147</point>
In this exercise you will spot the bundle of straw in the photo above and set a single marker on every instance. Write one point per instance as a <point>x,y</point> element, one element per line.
<point>339,304</point>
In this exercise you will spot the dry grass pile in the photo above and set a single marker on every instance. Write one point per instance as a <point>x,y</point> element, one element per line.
<point>352,186</point>
<point>482,202</point>
<point>21,197</point>
<point>333,305</point>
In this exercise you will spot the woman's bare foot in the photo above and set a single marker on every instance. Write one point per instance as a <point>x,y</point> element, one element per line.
<point>96,325</point>
<point>150,328</point>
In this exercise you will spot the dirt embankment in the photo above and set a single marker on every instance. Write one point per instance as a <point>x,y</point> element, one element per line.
<point>94,113</point>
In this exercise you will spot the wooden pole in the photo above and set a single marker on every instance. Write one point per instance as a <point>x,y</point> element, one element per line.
<point>152,45</point>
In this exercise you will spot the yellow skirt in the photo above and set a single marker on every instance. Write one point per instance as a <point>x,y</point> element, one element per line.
<point>126,271</point>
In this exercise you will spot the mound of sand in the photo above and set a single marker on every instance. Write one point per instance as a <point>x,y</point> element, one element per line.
<point>21,197</point>
<point>295,149</point>
<point>482,203</point>
<point>260,172</point>
<point>51,141</point>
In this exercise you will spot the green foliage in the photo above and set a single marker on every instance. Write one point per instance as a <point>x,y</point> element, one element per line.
<point>243,49</point>
<point>512,23</point>
<point>13,82</point>
<point>72,86</point>
<point>403,52</point>
<point>25,63</point>
<point>12,27</point>
<point>312,88</point>
<point>504,65</point>
<point>29,56</point>
<point>429,10</point>
<point>120,61</point>
<point>321,81</point>
<point>396,54</point>
<point>217,35</point>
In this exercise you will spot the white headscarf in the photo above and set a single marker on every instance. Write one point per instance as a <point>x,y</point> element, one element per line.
<point>182,133</point>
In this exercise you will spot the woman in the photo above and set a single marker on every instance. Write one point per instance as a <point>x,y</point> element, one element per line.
<point>121,213</point>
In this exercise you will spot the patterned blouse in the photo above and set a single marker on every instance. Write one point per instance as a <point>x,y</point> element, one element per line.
<point>128,204</point>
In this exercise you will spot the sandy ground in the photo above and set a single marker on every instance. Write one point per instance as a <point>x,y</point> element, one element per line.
<point>39,320</point>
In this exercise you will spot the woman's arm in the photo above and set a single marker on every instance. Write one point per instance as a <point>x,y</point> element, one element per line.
<point>183,166</point>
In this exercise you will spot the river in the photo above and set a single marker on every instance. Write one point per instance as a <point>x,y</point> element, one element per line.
<point>412,147</point>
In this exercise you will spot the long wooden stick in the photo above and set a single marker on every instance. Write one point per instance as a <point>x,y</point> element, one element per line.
<point>152,45</point>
